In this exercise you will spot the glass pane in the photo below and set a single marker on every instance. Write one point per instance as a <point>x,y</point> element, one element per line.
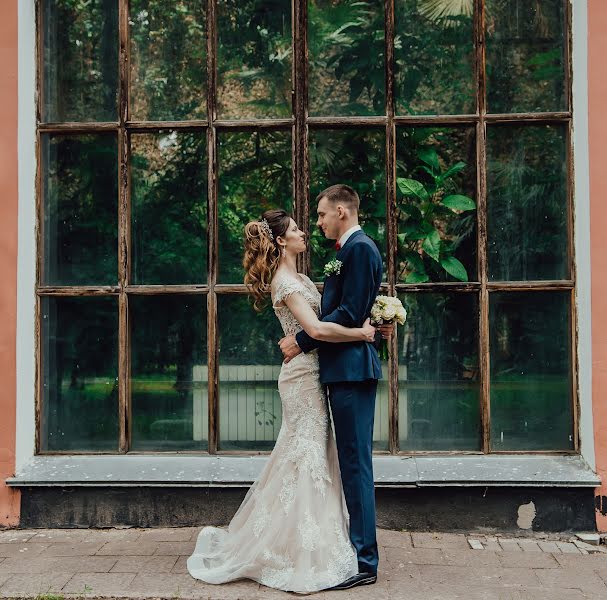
<point>80,221</point>
<point>169,390</point>
<point>79,347</point>
<point>254,58</point>
<point>527,203</point>
<point>434,57</point>
<point>436,204</point>
<point>169,208</point>
<point>530,371</point>
<point>80,60</point>
<point>439,389</point>
<point>346,51</point>
<point>250,412</point>
<point>254,176</point>
<point>168,60</point>
<point>357,158</point>
<point>525,55</point>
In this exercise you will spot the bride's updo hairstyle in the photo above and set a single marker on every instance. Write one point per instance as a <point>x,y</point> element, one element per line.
<point>262,253</point>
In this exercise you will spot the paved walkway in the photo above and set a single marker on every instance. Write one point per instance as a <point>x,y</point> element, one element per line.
<point>150,563</point>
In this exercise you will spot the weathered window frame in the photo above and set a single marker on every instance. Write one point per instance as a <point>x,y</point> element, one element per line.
<point>300,124</point>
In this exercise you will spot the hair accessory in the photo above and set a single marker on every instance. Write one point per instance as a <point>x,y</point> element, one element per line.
<point>266,227</point>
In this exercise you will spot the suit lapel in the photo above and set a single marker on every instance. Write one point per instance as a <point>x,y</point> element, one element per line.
<point>338,256</point>
<point>355,235</point>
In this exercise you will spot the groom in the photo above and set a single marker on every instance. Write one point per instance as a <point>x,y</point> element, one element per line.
<point>350,370</point>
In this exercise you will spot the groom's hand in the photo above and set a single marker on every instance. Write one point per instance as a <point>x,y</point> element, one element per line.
<point>289,347</point>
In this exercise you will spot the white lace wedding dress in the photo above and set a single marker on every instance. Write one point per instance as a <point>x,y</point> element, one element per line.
<point>291,530</point>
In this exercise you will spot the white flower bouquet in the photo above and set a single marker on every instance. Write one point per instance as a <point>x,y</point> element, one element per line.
<point>385,310</point>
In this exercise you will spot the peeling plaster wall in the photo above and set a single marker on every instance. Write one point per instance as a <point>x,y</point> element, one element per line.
<point>481,509</point>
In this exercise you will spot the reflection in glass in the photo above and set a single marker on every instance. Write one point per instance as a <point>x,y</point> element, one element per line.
<point>169,390</point>
<point>530,337</point>
<point>80,60</point>
<point>346,57</point>
<point>254,58</point>
<point>254,175</point>
<point>434,57</point>
<point>527,203</point>
<point>79,348</point>
<point>169,208</point>
<point>439,388</point>
<point>436,207</point>
<point>250,412</point>
<point>356,158</point>
<point>168,60</point>
<point>525,55</point>
<point>80,195</point>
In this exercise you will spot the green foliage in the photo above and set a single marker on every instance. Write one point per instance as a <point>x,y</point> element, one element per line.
<point>254,58</point>
<point>436,185</point>
<point>168,55</point>
<point>80,204</point>
<point>346,55</point>
<point>527,203</point>
<point>422,243</point>
<point>526,44</point>
<point>80,60</point>
<point>355,157</point>
<point>254,176</point>
<point>434,64</point>
<point>442,401</point>
<point>169,208</point>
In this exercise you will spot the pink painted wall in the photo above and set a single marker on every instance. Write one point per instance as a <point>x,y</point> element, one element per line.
<point>597,89</point>
<point>9,500</point>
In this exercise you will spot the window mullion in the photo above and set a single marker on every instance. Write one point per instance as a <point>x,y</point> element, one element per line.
<point>212,230</point>
<point>481,174</point>
<point>124,201</point>
<point>392,226</point>
<point>299,11</point>
<point>573,324</point>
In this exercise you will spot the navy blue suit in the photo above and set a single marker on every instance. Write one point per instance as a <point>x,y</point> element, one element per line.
<point>351,371</point>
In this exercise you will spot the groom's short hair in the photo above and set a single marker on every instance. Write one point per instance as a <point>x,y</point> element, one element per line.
<point>341,193</point>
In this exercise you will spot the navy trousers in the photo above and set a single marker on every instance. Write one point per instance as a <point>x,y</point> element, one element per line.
<point>353,409</point>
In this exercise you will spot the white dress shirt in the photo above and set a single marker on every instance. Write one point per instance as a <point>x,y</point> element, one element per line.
<point>344,238</point>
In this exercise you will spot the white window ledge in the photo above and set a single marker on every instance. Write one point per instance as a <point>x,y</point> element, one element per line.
<point>240,471</point>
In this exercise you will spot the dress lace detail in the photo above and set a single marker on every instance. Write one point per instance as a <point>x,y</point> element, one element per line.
<point>285,286</point>
<point>308,429</point>
<point>309,532</point>
<point>281,570</point>
<point>291,530</point>
<point>287,492</point>
<point>262,518</point>
<point>342,555</point>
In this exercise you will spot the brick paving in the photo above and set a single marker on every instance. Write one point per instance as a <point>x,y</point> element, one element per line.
<point>141,564</point>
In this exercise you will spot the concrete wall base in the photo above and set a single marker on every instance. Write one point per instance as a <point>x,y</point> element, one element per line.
<point>508,509</point>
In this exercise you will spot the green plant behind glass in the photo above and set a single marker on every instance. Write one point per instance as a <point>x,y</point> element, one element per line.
<point>424,246</point>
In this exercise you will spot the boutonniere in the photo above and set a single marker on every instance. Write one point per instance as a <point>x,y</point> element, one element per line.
<point>333,267</point>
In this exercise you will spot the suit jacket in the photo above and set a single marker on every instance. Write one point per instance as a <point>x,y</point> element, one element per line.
<point>347,300</point>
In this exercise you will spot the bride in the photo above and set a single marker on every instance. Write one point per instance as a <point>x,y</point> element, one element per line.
<point>291,531</point>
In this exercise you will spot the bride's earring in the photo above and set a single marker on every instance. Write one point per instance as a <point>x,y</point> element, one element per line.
<point>284,252</point>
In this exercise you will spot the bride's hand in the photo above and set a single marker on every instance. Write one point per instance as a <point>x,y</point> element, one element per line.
<point>368,331</point>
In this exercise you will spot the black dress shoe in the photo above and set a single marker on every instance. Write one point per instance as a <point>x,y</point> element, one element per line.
<point>358,579</point>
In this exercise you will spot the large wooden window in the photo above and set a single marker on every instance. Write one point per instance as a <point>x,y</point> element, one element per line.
<point>163,127</point>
